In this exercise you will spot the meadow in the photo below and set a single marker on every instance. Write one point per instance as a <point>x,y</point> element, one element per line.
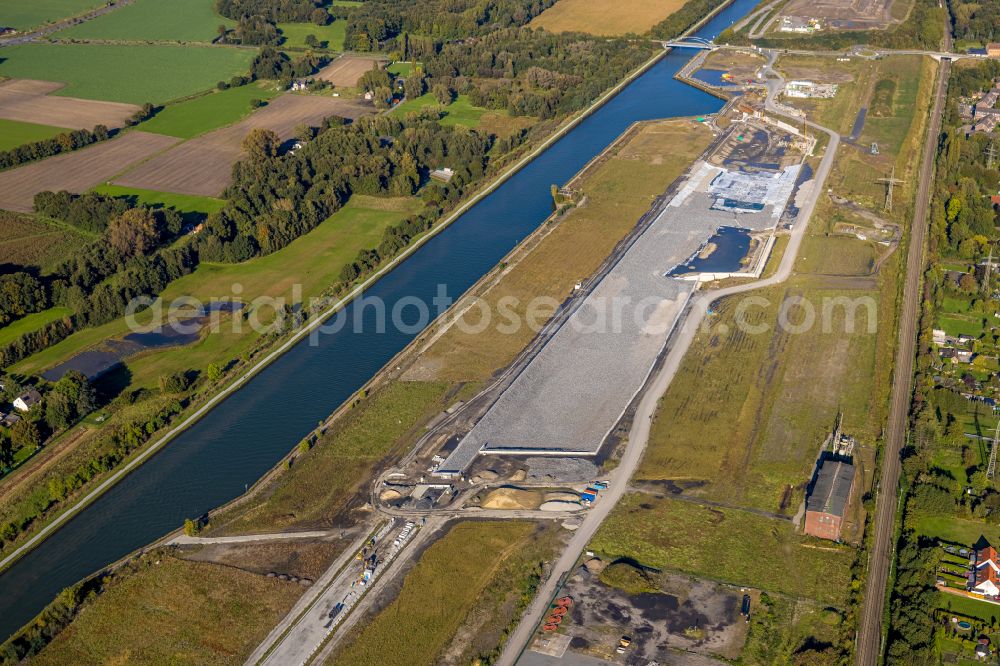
<point>14,133</point>
<point>24,14</point>
<point>332,34</point>
<point>182,203</point>
<point>191,117</point>
<point>142,73</point>
<point>437,595</point>
<point>459,112</point>
<point>605,17</point>
<point>168,610</point>
<point>727,545</point>
<point>153,20</point>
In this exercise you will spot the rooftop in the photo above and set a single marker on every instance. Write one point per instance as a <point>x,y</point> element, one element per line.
<point>832,487</point>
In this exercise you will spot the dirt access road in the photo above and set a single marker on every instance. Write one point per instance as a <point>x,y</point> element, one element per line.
<point>869,644</point>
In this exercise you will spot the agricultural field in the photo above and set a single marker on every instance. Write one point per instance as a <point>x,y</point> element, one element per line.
<point>418,626</point>
<point>203,165</point>
<point>330,36</point>
<point>313,261</point>
<point>24,14</point>
<point>346,70</point>
<point>143,73</point>
<point>182,203</point>
<point>619,191</point>
<point>728,545</point>
<point>32,101</point>
<point>79,170</point>
<point>14,133</point>
<point>28,241</point>
<point>169,610</point>
<point>605,17</point>
<point>192,117</point>
<point>153,20</point>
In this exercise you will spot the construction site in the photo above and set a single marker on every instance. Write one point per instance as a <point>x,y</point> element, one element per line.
<point>601,346</point>
<point>808,16</point>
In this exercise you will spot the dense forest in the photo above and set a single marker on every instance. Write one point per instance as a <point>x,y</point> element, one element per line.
<point>976,21</point>
<point>383,24</point>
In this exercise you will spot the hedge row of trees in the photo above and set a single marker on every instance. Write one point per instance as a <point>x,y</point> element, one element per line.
<point>256,19</point>
<point>61,143</point>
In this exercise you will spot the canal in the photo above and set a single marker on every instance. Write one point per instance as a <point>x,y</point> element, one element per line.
<point>243,437</point>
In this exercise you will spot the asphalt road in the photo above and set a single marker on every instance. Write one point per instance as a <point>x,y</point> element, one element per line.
<point>639,434</point>
<point>868,650</point>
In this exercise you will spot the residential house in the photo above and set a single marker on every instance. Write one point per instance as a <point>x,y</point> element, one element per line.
<point>939,337</point>
<point>27,400</point>
<point>984,578</point>
<point>828,497</point>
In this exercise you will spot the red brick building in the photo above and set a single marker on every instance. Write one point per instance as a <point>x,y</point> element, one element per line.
<point>827,500</point>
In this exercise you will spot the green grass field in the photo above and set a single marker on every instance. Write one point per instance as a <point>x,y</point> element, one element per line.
<point>956,325</point>
<point>14,133</point>
<point>956,530</point>
<point>984,610</point>
<point>437,596</point>
<point>723,544</point>
<point>32,322</point>
<point>332,34</point>
<point>459,112</point>
<point>400,68</point>
<point>24,14</point>
<point>219,108</point>
<point>153,20</point>
<point>182,203</point>
<point>140,73</point>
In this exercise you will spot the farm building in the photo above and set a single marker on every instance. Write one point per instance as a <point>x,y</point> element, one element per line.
<point>27,400</point>
<point>985,578</point>
<point>827,500</point>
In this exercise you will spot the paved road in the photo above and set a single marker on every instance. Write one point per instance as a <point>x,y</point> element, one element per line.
<point>639,434</point>
<point>869,643</point>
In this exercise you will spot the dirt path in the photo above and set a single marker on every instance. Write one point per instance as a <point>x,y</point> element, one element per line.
<point>40,464</point>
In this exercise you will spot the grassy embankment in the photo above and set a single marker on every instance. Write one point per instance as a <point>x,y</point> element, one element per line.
<point>143,73</point>
<point>602,17</point>
<point>458,600</point>
<point>747,411</point>
<point>153,20</point>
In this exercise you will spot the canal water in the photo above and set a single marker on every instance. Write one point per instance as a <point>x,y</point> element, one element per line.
<point>238,441</point>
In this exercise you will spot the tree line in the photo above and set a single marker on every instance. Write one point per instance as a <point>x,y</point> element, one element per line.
<point>256,19</point>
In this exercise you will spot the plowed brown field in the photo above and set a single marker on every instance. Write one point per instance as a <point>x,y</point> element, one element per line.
<point>77,171</point>
<point>30,101</point>
<point>346,70</point>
